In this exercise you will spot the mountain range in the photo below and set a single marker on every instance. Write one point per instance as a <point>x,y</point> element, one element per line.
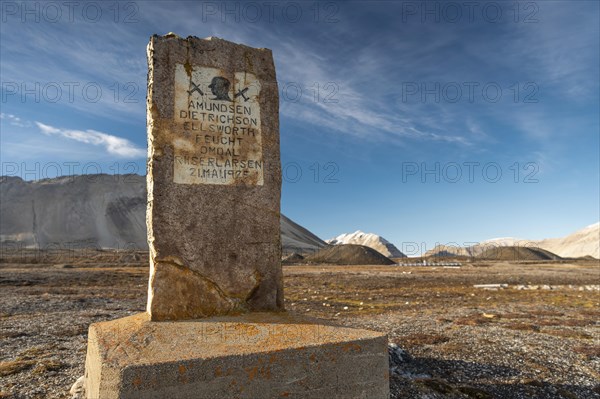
<point>584,242</point>
<point>99,211</point>
<point>109,211</point>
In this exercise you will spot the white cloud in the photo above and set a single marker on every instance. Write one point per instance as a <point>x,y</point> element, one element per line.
<point>112,144</point>
<point>15,120</point>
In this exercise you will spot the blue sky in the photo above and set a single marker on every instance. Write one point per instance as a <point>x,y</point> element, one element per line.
<point>426,123</point>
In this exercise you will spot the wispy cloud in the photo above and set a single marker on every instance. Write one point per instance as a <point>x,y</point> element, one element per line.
<point>114,145</point>
<point>367,72</point>
<point>89,67</point>
<point>360,107</point>
<point>311,75</point>
<point>15,120</point>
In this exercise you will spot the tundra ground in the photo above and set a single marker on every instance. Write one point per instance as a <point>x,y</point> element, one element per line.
<point>538,337</point>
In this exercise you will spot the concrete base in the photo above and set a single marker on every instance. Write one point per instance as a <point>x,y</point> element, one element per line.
<point>256,355</point>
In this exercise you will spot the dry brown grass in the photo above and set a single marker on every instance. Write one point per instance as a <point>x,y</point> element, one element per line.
<point>48,365</point>
<point>515,316</point>
<point>578,322</point>
<point>545,313</point>
<point>568,333</point>
<point>35,352</point>
<point>437,385</point>
<point>523,327</point>
<point>566,394</point>
<point>14,366</point>
<point>11,334</point>
<point>595,314</point>
<point>475,393</point>
<point>423,339</point>
<point>473,320</point>
<point>590,352</point>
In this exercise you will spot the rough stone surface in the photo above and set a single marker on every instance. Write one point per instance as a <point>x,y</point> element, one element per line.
<point>214,186</point>
<point>256,355</point>
<point>214,179</point>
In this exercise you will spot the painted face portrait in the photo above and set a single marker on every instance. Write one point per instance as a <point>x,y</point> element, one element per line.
<point>219,86</point>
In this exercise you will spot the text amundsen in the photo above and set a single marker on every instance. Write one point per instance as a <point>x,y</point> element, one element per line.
<point>221,107</point>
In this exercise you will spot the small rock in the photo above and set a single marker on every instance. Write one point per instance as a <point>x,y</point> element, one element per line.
<point>64,266</point>
<point>398,357</point>
<point>78,389</point>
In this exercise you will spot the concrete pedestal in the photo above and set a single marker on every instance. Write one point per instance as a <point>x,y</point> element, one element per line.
<point>256,355</point>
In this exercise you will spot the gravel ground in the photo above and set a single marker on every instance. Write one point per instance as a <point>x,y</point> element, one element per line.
<point>455,341</point>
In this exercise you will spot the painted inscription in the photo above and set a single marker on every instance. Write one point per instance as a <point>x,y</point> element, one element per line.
<point>218,131</point>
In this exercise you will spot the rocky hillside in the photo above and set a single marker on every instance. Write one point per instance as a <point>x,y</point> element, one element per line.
<point>297,239</point>
<point>103,211</point>
<point>70,212</point>
<point>581,243</point>
<point>371,240</point>
<point>512,253</point>
<point>349,254</point>
<point>584,242</point>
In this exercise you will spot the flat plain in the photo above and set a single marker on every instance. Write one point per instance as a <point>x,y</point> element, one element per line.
<point>537,336</point>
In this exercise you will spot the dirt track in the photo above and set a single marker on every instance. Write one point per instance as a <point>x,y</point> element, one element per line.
<point>465,342</point>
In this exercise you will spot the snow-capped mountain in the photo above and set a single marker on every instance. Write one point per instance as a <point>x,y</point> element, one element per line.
<point>371,240</point>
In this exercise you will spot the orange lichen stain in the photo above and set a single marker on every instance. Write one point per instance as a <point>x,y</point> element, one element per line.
<point>246,329</point>
<point>265,372</point>
<point>284,394</point>
<point>182,369</point>
<point>252,372</point>
<point>137,381</point>
<point>188,68</point>
<point>220,373</point>
<point>351,346</point>
<point>313,357</point>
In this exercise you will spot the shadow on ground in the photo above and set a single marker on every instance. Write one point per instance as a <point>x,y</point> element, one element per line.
<point>431,378</point>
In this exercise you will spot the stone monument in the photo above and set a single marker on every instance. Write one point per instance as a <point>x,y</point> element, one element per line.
<point>214,179</point>
<point>215,326</point>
